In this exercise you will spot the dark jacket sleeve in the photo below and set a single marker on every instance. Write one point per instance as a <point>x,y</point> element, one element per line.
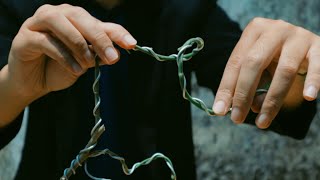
<point>8,29</point>
<point>220,36</point>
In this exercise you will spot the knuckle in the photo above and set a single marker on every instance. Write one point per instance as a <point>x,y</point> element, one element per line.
<point>291,60</point>
<point>254,60</point>
<point>234,62</point>
<point>235,59</point>
<point>27,22</point>
<point>283,24</point>
<point>227,93</point>
<point>100,37</point>
<point>41,37</point>
<point>316,41</point>
<point>271,104</point>
<point>17,46</point>
<point>44,8</point>
<point>97,24</point>
<point>77,11</point>
<point>314,53</point>
<point>241,97</point>
<point>280,22</point>
<point>79,43</point>
<point>257,21</point>
<point>288,71</point>
<point>47,16</point>
<point>301,31</point>
<point>65,5</point>
<point>36,41</point>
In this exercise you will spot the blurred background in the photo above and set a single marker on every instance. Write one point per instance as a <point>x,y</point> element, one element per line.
<point>226,151</point>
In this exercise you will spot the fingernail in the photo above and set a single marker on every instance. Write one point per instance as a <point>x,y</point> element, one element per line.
<point>77,68</point>
<point>311,92</point>
<point>111,54</point>
<point>219,107</point>
<point>88,55</point>
<point>236,115</point>
<point>262,120</point>
<point>130,40</point>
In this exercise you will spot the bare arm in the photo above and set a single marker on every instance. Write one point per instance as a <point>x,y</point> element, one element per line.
<point>12,103</point>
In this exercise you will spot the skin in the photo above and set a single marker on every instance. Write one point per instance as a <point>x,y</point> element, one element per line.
<point>280,49</point>
<point>50,52</point>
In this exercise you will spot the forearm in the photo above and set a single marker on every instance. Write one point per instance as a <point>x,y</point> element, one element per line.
<point>12,101</point>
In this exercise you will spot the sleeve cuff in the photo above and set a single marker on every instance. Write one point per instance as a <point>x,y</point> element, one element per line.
<point>293,123</point>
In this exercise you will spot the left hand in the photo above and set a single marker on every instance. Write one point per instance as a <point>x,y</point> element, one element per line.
<point>281,49</point>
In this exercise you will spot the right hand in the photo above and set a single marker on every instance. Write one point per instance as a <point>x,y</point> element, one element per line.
<point>50,51</point>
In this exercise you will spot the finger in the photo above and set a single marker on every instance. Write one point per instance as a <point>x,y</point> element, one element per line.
<point>257,60</point>
<point>257,102</point>
<point>290,59</point>
<point>264,84</point>
<point>49,20</point>
<point>227,85</point>
<point>312,81</point>
<point>101,35</point>
<point>119,35</point>
<point>55,50</point>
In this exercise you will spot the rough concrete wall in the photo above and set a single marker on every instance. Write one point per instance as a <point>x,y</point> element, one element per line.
<point>302,12</point>
<point>227,151</point>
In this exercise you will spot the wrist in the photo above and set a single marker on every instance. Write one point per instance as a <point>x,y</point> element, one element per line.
<point>19,87</point>
<point>13,100</point>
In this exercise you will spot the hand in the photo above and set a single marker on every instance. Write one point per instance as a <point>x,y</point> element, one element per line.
<point>50,51</point>
<point>282,51</point>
